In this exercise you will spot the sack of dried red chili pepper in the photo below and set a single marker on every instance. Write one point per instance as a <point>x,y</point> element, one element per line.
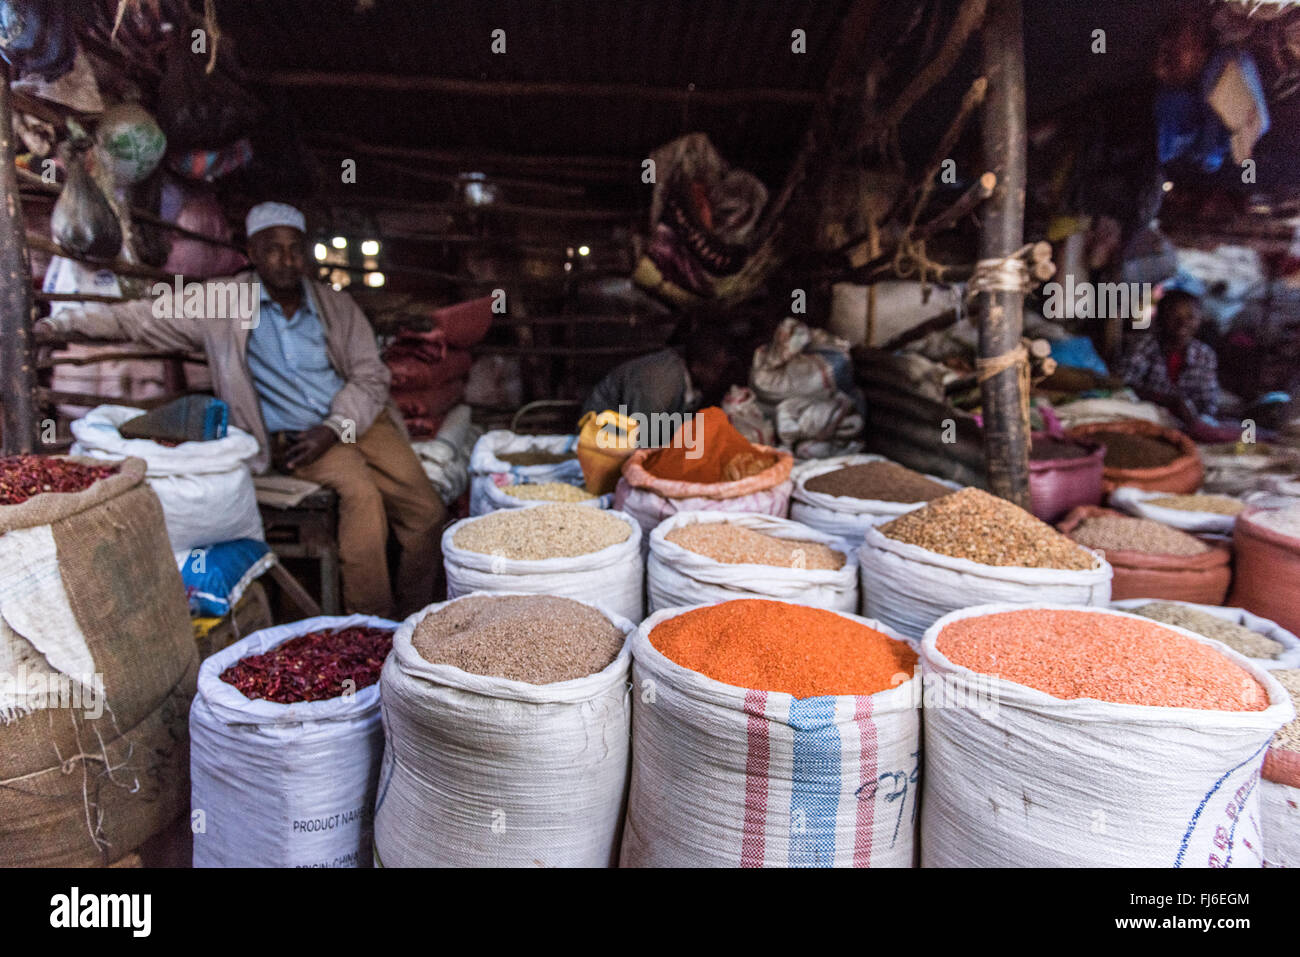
<point>286,745</point>
<point>99,665</point>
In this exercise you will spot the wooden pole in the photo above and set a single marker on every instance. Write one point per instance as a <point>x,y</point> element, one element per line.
<point>1001,311</point>
<point>17,365</point>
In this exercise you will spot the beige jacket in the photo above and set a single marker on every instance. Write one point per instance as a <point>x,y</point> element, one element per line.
<point>349,340</point>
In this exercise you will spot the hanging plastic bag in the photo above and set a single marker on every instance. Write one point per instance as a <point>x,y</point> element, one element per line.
<point>83,222</point>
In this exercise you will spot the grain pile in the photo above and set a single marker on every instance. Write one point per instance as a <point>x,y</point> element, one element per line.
<point>980,527</point>
<point>1215,504</point>
<point>546,531</point>
<point>1237,637</point>
<point>1083,654</point>
<point>772,646</point>
<point>1053,450</point>
<point>1125,533</point>
<point>548,492</point>
<point>877,481</point>
<point>535,457</point>
<point>1128,450</point>
<point>735,545</point>
<point>1288,736</point>
<point>535,639</point>
<point>1284,521</point>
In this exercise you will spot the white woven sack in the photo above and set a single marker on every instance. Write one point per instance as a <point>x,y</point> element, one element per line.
<point>733,777</point>
<point>650,508</point>
<point>488,772</point>
<point>676,576</point>
<point>612,577</point>
<point>485,468</point>
<point>205,488</point>
<point>844,515</point>
<point>908,587</point>
<point>1279,808</point>
<point>496,498</point>
<point>1137,501</point>
<point>283,785</point>
<point>1038,781</point>
<point>1290,656</point>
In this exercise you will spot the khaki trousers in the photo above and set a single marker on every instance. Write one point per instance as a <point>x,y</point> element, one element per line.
<point>380,483</point>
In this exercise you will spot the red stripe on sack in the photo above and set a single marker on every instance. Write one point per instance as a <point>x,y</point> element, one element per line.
<point>756,773</point>
<point>867,808</point>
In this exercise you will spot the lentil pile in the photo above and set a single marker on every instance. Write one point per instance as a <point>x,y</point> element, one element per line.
<point>878,481</point>
<point>535,457</point>
<point>1288,736</point>
<point>983,528</point>
<point>313,667</point>
<point>772,646</point>
<point>1217,504</point>
<point>25,476</point>
<point>1284,521</point>
<point>1126,533</point>
<point>547,531</point>
<point>1085,654</point>
<point>1051,450</point>
<point>1128,450</point>
<point>736,545</point>
<point>1237,637</point>
<point>535,639</point>
<point>548,492</point>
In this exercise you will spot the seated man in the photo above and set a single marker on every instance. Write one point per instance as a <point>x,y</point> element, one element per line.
<point>302,373</point>
<point>1173,368</point>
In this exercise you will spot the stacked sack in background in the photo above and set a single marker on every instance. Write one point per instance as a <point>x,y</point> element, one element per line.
<point>430,368</point>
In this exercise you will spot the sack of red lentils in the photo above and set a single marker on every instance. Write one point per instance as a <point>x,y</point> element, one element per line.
<point>1104,740</point>
<point>284,753</point>
<point>713,556</point>
<point>506,720</point>
<point>769,734</point>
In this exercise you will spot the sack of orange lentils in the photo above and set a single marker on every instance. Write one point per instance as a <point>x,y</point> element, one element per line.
<point>1114,741</point>
<point>789,736</point>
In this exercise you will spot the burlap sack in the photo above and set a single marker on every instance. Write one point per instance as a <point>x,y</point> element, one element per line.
<point>78,789</point>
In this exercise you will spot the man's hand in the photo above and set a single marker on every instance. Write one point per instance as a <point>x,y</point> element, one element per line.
<point>309,446</point>
<point>44,333</point>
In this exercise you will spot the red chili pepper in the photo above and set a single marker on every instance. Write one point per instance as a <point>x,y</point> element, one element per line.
<point>23,476</point>
<point>313,667</point>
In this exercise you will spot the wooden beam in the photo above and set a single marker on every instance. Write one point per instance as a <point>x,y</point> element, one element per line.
<point>119,266</point>
<point>1001,311</point>
<point>454,179</point>
<point>588,213</point>
<point>400,83</point>
<point>968,19</point>
<point>17,364</point>
<point>575,167</point>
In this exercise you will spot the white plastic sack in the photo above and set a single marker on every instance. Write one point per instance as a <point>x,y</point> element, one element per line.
<point>1137,501</point>
<point>497,498</point>
<point>445,458</point>
<point>816,426</point>
<point>676,576</point>
<point>283,785</point>
<point>1279,808</point>
<point>488,772</point>
<point>733,777</point>
<point>611,577</point>
<point>908,587</point>
<point>799,361</point>
<point>1289,658</point>
<point>205,488</point>
<point>650,508</point>
<point>1038,781</point>
<point>843,515</point>
<point>485,468</point>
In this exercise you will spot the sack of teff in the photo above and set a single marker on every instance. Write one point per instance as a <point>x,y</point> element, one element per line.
<point>1279,792</point>
<point>848,494</point>
<point>770,734</point>
<point>286,744</point>
<point>506,721</point>
<point>1116,741</point>
<point>502,457</point>
<point>573,551</point>
<point>700,557</point>
<point>971,548</point>
<point>97,663</point>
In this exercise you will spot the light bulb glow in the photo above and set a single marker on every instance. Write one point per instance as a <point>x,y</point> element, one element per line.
<point>339,242</point>
<point>370,247</point>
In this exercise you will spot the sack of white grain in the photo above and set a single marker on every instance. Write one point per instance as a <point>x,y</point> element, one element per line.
<point>1279,789</point>
<point>205,488</point>
<point>700,557</point>
<point>970,548</point>
<point>288,783</point>
<point>796,772</point>
<point>524,494</point>
<point>1099,739</point>
<point>97,668</point>
<point>1199,514</point>
<point>501,457</point>
<point>590,554</point>
<point>1264,642</point>
<point>846,500</point>
<point>506,721</point>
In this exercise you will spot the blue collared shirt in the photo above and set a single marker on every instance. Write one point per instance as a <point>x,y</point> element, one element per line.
<point>291,367</point>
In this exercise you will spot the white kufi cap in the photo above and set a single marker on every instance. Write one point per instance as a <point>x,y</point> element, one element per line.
<point>265,215</point>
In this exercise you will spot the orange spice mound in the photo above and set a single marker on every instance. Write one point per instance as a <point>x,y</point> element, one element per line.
<point>773,646</point>
<point>716,443</point>
<point>1084,654</point>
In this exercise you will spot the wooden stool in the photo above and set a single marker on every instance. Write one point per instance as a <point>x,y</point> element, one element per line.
<point>307,530</point>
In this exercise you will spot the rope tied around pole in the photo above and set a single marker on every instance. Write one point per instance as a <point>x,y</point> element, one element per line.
<point>1007,274</point>
<point>1018,358</point>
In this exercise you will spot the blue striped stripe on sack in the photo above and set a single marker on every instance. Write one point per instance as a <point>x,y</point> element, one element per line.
<point>815,785</point>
